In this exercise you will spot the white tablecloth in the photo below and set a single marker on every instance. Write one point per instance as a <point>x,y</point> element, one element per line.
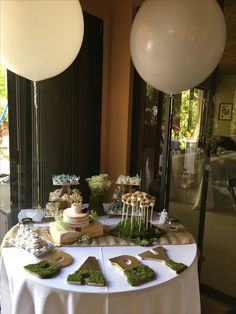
<point>23,293</point>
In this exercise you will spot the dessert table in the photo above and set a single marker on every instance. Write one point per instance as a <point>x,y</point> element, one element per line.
<point>23,293</point>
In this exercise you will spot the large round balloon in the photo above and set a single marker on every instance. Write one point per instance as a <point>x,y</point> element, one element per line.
<point>40,39</point>
<point>175,45</point>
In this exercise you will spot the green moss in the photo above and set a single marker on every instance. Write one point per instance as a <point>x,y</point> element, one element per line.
<point>177,267</point>
<point>93,277</point>
<point>139,236</point>
<point>138,275</point>
<point>43,269</point>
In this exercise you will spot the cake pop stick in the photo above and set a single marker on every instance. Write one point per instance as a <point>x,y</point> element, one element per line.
<point>139,199</point>
<point>152,205</point>
<point>146,215</point>
<point>143,210</point>
<point>140,215</point>
<point>133,205</point>
<point>133,201</point>
<point>123,210</point>
<point>147,204</point>
<point>127,209</point>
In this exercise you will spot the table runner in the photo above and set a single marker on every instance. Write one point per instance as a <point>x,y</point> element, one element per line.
<point>182,236</point>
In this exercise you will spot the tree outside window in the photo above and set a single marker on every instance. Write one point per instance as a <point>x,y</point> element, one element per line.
<point>3,110</point>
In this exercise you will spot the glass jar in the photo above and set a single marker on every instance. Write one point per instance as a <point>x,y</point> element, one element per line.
<point>174,224</point>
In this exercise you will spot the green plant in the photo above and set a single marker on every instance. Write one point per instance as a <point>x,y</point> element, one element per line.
<point>93,214</point>
<point>84,239</point>
<point>142,242</point>
<point>60,223</point>
<point>3,82</point>
<point>99,183</point>
<point>188,116</point>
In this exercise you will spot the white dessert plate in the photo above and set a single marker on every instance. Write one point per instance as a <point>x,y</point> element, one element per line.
<point>36,214</point>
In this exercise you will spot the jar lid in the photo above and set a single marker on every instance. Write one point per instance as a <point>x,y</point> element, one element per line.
<point>26,221</point>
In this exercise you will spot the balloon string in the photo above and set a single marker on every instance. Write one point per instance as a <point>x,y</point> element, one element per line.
<point>35,95</point>
<point>36,143</point>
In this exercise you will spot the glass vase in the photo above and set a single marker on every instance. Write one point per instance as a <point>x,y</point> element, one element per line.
<point>96,203</point>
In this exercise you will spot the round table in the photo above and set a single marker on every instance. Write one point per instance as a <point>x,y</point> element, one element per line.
<point>23,293</point>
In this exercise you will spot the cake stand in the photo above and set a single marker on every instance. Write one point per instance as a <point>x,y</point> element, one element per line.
<point>122,188</point>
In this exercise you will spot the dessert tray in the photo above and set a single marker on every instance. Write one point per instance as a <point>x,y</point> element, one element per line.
<point>28,240</point>
<point>65,179</point>
<point>48,247</point>
<point>128,180</point>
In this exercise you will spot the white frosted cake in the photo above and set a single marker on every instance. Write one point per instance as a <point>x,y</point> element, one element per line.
<point>76,225</point>
<point>75,218</point>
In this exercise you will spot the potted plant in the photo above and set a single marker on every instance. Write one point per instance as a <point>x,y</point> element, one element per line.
<point>97,185</point>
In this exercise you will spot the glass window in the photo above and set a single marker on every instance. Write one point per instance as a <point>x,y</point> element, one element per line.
<point>4,144</point>
<point>187,158</point>
<point>4,154</point>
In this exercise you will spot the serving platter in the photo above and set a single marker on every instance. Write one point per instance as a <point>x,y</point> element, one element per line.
<point>48,247</point>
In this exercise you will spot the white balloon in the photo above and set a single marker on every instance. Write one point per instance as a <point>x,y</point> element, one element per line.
<point>40,39</point>
<point>175,45</point>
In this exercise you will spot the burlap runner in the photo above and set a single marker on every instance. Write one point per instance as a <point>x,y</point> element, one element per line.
<point>169,237</point>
